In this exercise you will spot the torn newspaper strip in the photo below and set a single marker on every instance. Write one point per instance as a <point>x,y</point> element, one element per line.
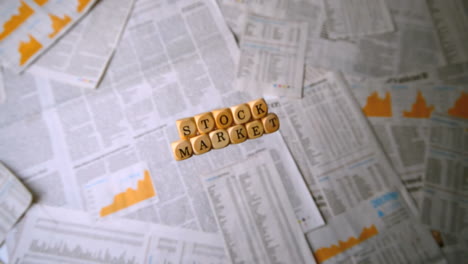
<point>272,56</point>
<point>53,234</point>
<point>29,27</point>
<point>254,213</point>
<point>81,57</point>
<point>14,201</point>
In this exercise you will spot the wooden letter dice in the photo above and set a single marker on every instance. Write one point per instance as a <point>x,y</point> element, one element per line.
<point>270,123</point>
<point>219,138</point>
<point>237,134</point>
<point>259,108</point>
<point>186,127</point>
<point>201,144</point>
<point>222,117</point>
<point>241,114</point>
<point>254,129</point>
<point>205,122</point>
<point>182,149</point>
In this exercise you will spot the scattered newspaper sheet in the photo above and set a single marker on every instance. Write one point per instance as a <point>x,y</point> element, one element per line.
<point>414,46</point>
<point>453,74</point>
<point>357,18</point>
<point>14,200</point>
<point>451,20</point>
<point>29,27</point>
<point>88,139</point>
<point>2,86</point>
<point>53,234</point>
<point>344,163</point>
<point>254,214</point>
<point>399,115</point>
<point>81,57</point>
<point>272,56</point>
<point>382,229</point>
<point>445,195</point>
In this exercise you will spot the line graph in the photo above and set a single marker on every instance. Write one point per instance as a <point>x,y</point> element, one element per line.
<point>121,192</point>
<point>24,12</point>
<point>325,253</point>
<point>64,249</point>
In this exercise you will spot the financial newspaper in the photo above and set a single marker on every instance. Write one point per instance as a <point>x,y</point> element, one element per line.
<point>399,114</point>
<point>272,56</point>
<point>345,165</point>
<point>382,229</point>
<point>254,214</point>
<point>412,47</point>
<point>29,27</point>
<point>59,235</point>
<point>451,19</point>
<point>2,86</point>
<point>85,139</point>
<point>445,195</point>
<point>357,18</point>
<point>81,57</point>
<point>384,54</point>
<point>14,201</point>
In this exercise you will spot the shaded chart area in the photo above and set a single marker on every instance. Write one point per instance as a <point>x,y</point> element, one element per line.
<point>460,109</point>
<point>24,12</point>
<point>377,107</point>
<point>41,2</point>
<point>420,109</point>
<point>58,24</point>
<point>82,4</point>
<point>28,49</point>
<point>63,250</point>
<point>322,254</point>
<point>144,190</point>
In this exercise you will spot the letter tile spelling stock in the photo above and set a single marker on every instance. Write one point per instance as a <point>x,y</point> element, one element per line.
<point>221,127</point>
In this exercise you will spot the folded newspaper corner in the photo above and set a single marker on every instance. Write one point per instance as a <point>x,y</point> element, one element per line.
<point>14,200</point>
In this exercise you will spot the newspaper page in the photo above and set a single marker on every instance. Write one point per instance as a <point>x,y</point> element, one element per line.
<point>254,214</point>
<point>400,114</point>
<point>414,46</point>
<point>124,129</point>
<point>453,74</point>
<point>2,86</point>
<point>272,56</point>
<point>451,19</point>
<point>445,196</point>
<point>14,201</point>
<point>357,18</point>
<point>344,160</point>
<point>29,27</point>
<point>81,57</point>
<point>382,229</point>
<point>313,75</point>
<point>53,234</point>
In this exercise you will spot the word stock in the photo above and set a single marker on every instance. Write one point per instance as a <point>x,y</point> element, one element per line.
<point>219,128</point>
